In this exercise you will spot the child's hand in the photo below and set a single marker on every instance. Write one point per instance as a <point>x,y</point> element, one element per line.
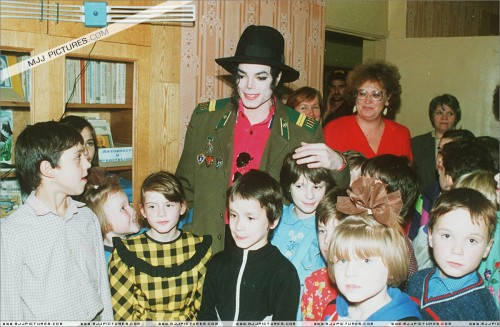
<point>318,155</point>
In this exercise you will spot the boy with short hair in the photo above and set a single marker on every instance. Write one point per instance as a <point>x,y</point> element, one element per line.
<point>461,227</point>
<point>456,158</point>
<point>251,281</point>
<point>52,257</point>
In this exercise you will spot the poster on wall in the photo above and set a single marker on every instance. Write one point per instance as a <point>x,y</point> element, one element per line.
<point>11,88</point>
<point>6,131</point>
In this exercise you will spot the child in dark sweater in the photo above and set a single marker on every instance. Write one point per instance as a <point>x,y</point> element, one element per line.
<point>251,281</point>
<point>461,227</point>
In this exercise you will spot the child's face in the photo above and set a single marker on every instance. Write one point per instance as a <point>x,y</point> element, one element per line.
<point>325,233</point>
<point>71,171</point>
<point>162,214</point>
<point>120,214</point>
<point>306,196</point>
<point>361,280</point>
<point>88,144</point>
<point>249,224</point>
<point>458,244</point>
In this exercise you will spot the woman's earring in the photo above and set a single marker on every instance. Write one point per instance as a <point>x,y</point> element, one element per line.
<point>385,111</point>
<point>354,109</point>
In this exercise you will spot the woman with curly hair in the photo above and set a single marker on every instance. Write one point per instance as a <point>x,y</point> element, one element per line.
<point>374,87</point>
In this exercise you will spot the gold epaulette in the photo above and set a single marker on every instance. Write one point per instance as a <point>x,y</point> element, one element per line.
<point>212,105</point>
<point>302,120</point>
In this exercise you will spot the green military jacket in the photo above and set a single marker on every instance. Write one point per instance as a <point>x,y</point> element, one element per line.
<point>210,134</point>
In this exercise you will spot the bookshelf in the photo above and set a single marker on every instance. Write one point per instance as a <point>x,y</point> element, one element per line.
<point>150,118</point>
<point>104,90</point>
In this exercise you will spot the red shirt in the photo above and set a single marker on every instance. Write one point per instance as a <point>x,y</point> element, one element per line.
<point>251,139</point>
<point>344,134</point>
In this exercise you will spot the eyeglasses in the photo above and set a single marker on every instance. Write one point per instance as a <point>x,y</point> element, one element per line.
<point>376,96</point>
<point>241,161</point>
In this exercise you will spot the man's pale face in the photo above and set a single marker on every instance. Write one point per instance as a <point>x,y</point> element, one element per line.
<point>254,86</point>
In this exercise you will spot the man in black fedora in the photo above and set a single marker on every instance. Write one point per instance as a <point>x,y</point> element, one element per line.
<point>251,130</point>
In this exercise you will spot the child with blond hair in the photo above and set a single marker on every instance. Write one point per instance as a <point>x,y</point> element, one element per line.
<point>368,258</point>
<point>116,216</point>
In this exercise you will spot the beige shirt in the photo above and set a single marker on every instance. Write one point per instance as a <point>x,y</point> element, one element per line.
<point>53,267</point>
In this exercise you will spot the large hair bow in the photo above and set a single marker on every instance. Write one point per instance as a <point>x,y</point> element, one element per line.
<point>369,194</point>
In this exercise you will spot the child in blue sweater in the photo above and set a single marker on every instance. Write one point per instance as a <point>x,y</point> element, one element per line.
<point>295,235</point>
<point>368,258</point>
<point>461,227</point>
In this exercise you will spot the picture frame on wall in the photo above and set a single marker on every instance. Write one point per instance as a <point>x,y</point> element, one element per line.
<point>11,89</point>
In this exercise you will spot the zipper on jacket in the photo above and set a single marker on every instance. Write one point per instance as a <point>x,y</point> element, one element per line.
<point>238,285</point>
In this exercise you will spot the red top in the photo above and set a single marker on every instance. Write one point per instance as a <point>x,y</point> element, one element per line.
<point>251,139</point>
<point>344,134</point>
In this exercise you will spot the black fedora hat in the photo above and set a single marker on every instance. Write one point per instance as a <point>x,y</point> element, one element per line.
<point>262,45</point>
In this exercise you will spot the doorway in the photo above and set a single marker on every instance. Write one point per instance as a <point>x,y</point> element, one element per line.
<point>342,51</point>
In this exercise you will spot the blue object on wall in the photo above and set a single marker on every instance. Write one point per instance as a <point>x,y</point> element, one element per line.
<point>95,14</point>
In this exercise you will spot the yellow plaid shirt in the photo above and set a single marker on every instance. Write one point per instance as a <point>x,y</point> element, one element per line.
<point>158,281</point>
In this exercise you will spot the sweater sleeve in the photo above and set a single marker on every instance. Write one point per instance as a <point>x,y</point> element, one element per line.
<point>287,295</point>
<point>207,309</point>
<point>122,288</point>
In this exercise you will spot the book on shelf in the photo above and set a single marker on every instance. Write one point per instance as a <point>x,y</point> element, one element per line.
<point>10,196</point>
<point>26,79</point>
<point>103,133</point>
<point>101,82</point>
<point>112,157</point>
<point>7,129</point>
<point>11,89</point>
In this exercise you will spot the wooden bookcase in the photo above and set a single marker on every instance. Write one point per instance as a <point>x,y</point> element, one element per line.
<point>48,96</point>
<point>119,115</point>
